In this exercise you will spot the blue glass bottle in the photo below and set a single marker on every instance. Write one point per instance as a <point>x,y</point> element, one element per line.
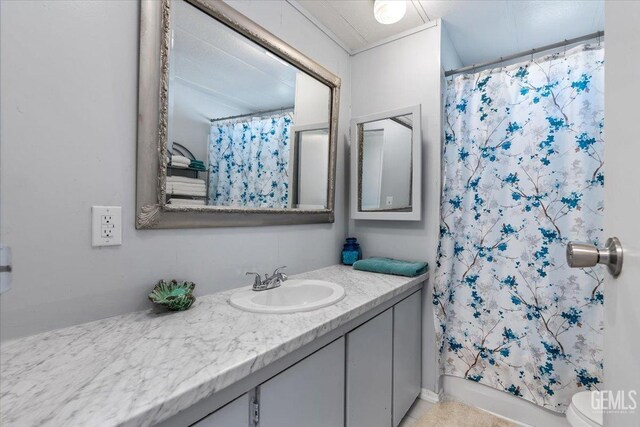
<point>351,251</point>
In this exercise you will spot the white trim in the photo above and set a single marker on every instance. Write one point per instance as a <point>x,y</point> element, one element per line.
<point>500,403</point>
<point>297,6</point>
<point>312,126</point>
<point>395,37</point>
<point>430,396</point>
<point>423,13</point>
<point>433,397</point>
<point>511,420</point>
<point>416,172</point>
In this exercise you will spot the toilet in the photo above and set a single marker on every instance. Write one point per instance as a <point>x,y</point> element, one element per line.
<point>581,414</point>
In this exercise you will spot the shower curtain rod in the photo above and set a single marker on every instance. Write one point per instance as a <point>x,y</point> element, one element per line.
<point>565,42</point>
<point>257,113</point>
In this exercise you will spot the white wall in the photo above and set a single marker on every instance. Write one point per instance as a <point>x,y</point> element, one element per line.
<point>449,57</point>
<point>372,158</point>
<point>69,73</point>
<point>622,207</point>
<point>312,101</point>
<point>399,74</point>
<point>188,123</point>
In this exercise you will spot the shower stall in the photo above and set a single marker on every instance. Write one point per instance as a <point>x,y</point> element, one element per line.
<point>523,175</point>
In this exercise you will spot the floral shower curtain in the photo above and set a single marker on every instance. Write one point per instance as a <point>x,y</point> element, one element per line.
<point>523,175</point>
<point>248,162</point>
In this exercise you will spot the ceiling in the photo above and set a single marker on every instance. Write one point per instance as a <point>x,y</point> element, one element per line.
<point>481,30</point>
<point>241,76</point>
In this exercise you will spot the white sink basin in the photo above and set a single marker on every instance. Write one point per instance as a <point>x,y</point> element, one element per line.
<point>291,297</point>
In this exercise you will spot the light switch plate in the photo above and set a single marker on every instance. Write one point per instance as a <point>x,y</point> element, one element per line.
<point>106,225</point>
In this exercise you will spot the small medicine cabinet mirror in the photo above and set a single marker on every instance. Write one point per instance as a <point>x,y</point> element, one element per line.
<point>386,166</point>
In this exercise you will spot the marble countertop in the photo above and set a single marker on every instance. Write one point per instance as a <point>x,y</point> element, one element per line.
<point>142,368</point>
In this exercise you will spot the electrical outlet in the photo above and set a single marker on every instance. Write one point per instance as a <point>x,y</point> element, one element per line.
<point>107,225</point>
<point>5,268</point>
<point>389,200</point>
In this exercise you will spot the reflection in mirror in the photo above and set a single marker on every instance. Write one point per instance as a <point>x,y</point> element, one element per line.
<point>246,129</point>
<point>310,155</point>
<point>385,168</point>
<point>387,163</point>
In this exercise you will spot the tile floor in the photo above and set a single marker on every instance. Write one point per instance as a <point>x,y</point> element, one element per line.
<point>418,409</point>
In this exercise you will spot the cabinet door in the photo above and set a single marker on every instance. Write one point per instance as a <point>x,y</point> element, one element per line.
<point>234,414</point>
<point>369,372</point>
<point>309,394</point>
<point>407,354</point>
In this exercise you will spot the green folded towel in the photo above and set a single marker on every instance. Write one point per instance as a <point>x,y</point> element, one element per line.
<point>391,266</point>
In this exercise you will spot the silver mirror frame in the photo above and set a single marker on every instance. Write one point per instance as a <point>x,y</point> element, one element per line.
<point>151,209</point>
<point>416,167</point>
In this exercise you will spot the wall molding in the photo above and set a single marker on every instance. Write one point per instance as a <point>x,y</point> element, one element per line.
<point>431,396</point>
<point>511,420</point>
<point>398,36</point>
<point>352,52</point>
<point>499,403</point>
<point>319,25</point>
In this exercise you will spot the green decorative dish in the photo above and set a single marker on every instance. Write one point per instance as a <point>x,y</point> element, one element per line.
<point>174,295</point>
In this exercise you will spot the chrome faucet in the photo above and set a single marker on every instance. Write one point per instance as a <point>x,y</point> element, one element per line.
<point>269,282</point>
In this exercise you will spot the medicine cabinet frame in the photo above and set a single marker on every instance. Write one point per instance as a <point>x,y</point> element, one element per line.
<point>357,140</point>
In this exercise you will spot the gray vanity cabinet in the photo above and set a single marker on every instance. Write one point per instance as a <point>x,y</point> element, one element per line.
<point>407,354</point>
<point>366,373</point>
<point>384,365</point>
<point>309,394</point>
<point>234,414</point>
<point>369,372</point>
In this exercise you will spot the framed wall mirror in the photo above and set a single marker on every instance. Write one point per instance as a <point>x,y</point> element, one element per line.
<point>236,127</point>
<point>386,166</point>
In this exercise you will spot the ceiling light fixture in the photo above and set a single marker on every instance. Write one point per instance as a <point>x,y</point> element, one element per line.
<point>389,11</point>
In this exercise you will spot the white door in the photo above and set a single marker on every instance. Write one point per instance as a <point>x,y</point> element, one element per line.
<point>622,211</point>
<point>372,159</point>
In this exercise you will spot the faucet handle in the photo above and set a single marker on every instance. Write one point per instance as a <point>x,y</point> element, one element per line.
<point>277,270</point>
<point>258,279</point>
